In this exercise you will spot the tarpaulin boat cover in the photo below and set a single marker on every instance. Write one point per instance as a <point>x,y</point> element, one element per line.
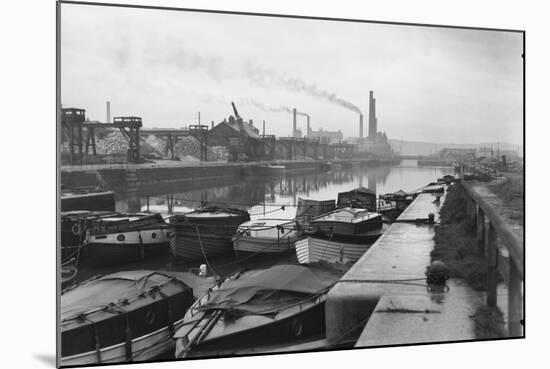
<point>314,207</point>
<point>112,289</point>
<point>264,291</point>
<point>359,197</point>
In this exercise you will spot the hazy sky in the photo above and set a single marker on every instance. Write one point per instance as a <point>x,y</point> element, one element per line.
<point>431,84</point>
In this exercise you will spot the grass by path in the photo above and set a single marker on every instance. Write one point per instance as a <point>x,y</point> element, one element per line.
<point>511,192</point>
<point>456,246</point>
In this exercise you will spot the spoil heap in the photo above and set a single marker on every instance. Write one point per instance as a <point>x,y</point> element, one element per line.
<point>189,148</point>
<point>116,143</point>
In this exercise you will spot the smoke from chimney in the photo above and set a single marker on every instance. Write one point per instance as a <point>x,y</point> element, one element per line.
<point>266,78</point>
<point>215,67</point>
<point>280,109</point>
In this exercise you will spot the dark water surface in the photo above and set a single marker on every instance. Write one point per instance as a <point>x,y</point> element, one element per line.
<point>262,197</point>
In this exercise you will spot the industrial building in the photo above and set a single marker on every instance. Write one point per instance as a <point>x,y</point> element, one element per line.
<point>326,136</point>
<point>376,142</point>
<point>242,139</point>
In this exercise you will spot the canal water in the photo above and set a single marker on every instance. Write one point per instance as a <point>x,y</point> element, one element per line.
<point>270,196</point>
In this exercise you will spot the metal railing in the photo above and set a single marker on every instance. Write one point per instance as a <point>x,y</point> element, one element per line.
<point>489,225</point>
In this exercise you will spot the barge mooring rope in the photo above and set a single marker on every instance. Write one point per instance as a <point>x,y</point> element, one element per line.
<point>202,249</point>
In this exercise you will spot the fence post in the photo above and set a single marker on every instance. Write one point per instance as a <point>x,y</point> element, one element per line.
<point>515,301</point>
<point>491,247</point>
<point>473,214</point>
<point>480,231</point>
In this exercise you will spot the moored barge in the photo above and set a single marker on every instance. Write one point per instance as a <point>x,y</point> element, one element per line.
<point>347,221</point>
<point>250,309</point>
<point>122,317</point>
<point>335,248</point>
<point>73,229</point>
<point>124,238</point>
<point>205,232</point>
<point>266,235</point>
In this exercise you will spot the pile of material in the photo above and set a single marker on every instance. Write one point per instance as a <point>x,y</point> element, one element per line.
<point>116,143</point>
<point>156,143</point>
<point>186,148</point>
<point>189,146</point>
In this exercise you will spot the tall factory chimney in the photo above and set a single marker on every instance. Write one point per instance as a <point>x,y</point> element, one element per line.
<point>294,122</point>
<point>360,125</point>
<point>108,106</point>
<point>308,127</point>
<point>372,116</point>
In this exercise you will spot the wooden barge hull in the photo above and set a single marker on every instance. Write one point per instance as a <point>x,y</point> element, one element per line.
<point>188,247</point>
<point>104,250</point>
<point>312,249</point>
<point>113,254</point>
<point>126,318</point>
<point>97,201</point>
<point>144,348</point>
<point>309,322</point>
<point>210,235</point>
<point>258,245</point>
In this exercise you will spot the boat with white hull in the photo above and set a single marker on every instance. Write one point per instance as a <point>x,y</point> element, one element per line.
<point>336,248</point>
<point>266,236</point>
<point>125,238</point>
<point>347,221</point>
<point>73,229</point>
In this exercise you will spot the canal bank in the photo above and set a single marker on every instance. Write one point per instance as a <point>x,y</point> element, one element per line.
<point>383,299</point>
<point>117,176</point>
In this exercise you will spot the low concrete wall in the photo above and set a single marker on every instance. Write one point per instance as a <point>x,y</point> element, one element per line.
<point>78,179</point>
<point>383,299</point>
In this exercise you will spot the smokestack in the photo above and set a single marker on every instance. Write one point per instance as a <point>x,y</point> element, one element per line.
<point>372,115</point>
<point>211,124</point>
<point>251,122</point>
<point>108,106</point>
<point>263,129</point>
<point>294,122</point>
<point>360,125</point>
<point>308,127</point>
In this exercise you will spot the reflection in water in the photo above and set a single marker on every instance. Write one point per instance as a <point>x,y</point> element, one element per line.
<point>437,294</point>
<point>262,195</point>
